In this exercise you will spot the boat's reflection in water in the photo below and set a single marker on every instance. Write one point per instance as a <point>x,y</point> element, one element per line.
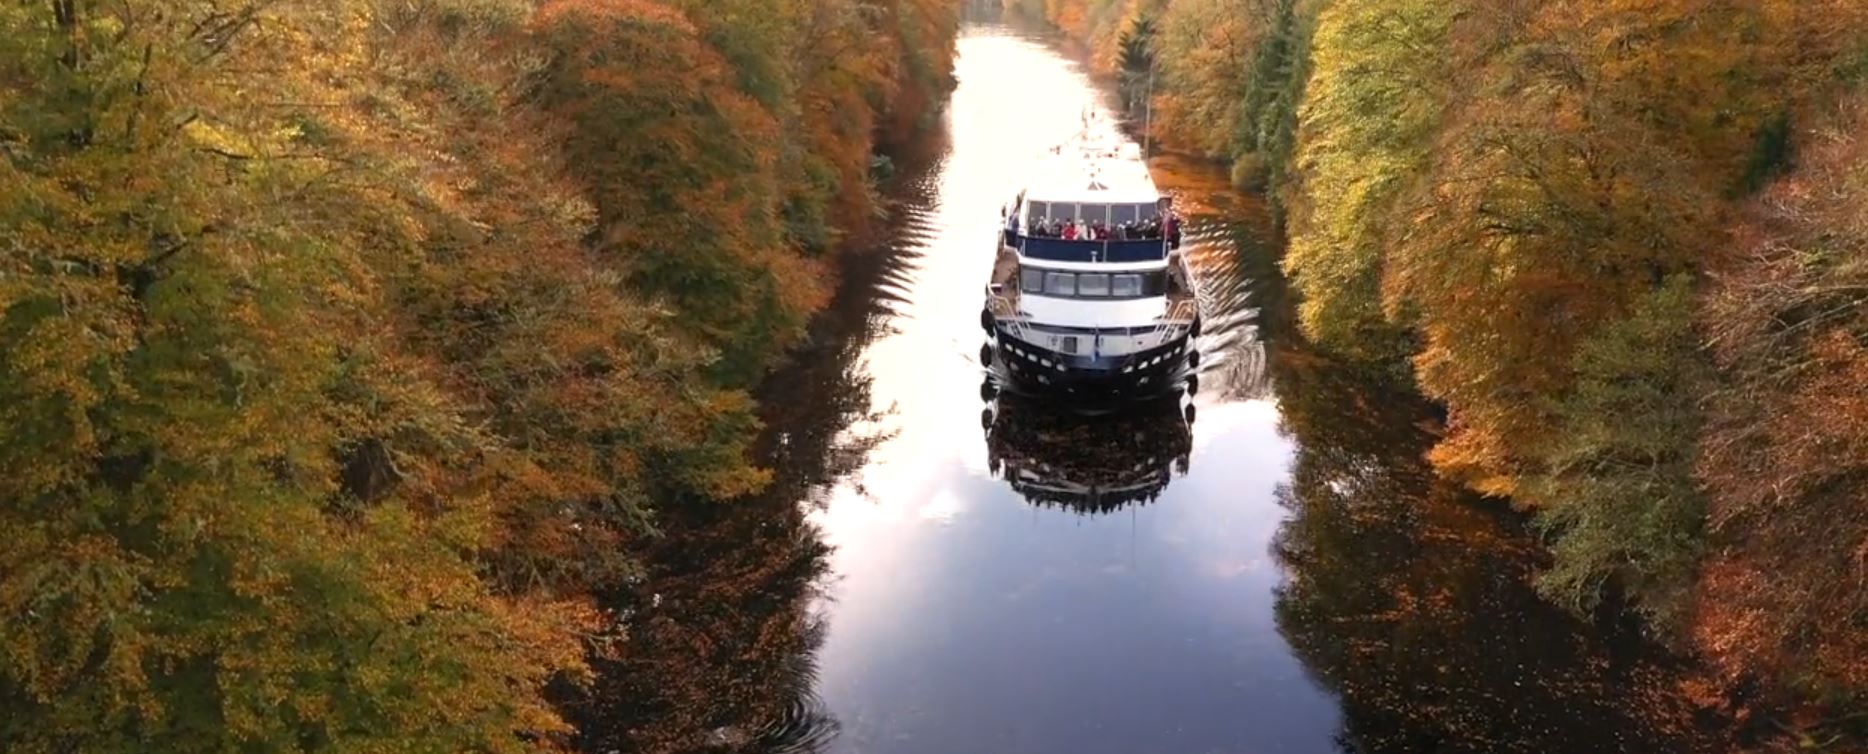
<point>1090,460</point>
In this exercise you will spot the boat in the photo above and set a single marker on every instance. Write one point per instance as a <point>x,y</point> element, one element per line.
<point>1089,292</point>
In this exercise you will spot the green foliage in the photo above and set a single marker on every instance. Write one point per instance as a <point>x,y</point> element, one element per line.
<point>1770,155</point>
<point>1274,92</point>
<point>1135,63</point>
<point>1619,496</point>
<point>1373,107</point>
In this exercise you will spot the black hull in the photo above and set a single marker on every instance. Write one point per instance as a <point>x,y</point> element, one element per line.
<point>1153,372</point>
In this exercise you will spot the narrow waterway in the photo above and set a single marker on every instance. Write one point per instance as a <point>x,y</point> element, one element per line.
<point>940,571</point>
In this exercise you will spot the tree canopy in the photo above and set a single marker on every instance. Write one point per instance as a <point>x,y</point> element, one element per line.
<point>347,348</point>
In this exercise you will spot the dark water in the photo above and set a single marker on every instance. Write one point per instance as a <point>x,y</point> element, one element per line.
<point>937,573</point>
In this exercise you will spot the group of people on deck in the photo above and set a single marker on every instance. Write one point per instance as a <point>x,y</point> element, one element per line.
<point>1078,230</point>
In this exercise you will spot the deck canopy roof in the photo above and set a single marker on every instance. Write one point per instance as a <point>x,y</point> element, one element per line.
<point>1105,172</point>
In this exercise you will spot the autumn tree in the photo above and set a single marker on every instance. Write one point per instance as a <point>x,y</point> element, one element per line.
<point>186,278</point>
<point>1565,187</point>
<point>1366,132</point>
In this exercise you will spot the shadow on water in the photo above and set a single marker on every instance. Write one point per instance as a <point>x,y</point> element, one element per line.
<point>719,641</point>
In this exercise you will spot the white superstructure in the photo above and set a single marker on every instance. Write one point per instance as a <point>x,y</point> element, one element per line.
<point>1088,285</point>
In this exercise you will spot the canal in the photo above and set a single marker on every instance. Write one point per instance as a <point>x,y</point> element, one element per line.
<point>1265,566</point>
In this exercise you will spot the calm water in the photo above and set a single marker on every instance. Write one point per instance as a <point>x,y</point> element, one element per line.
<point>936,573</point>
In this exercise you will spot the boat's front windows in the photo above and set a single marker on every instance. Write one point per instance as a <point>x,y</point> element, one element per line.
<point>1060,283</point>
<point>1031,281</point>
<point>1123,214</point>
<point>1119,285</point>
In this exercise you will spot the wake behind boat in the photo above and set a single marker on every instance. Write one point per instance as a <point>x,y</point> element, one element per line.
<point>1089,292</point>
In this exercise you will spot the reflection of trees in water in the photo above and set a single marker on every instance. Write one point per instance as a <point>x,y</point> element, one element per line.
<point>1093,464</point>
<point>1412,603</point>
<point>717,637</point>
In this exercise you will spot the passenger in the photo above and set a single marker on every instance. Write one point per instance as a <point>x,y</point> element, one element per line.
<point>1070,232</point>
<point>1172,229</point>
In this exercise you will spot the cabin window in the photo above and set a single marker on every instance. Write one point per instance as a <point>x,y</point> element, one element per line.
<point>1039,211</point>
<point>1089,284</point>
<point>1125,286</point>
<point>1148,211</point>
<point>1154,284</point>
<point>1031,280</point>
<point>1123,214</point>
<point>1060,283</point>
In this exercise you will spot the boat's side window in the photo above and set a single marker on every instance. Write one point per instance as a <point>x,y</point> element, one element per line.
<point>1031,280</point>
<point>1039,211</point>
<point>1060,283</point>
<point>1155,284</point>
<point>1125,286</point>
<point>1092,285</point>
<point>1148,211</point>
<point>1122,214</point>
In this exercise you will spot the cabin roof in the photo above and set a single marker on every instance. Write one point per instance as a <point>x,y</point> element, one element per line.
<point>1103,171</point>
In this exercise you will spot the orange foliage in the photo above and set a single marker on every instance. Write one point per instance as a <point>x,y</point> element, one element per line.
<point>1582,171</point>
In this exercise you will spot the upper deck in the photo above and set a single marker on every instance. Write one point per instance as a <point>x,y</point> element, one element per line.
<point>1091,201</point>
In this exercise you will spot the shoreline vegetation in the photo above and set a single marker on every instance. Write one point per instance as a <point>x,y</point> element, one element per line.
<point>1624,246</point>
<point>350,350</point>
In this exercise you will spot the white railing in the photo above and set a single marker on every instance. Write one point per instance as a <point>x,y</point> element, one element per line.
<point>1179,314</point>
<point>1005,309</point>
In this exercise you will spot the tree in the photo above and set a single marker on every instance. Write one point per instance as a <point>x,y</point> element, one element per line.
<point>1372,109</point>
<point>1135,63</point>
<point>1564,189</point>
<point>193,567</point>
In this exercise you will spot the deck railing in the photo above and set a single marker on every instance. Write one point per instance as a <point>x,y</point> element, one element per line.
<point>1060,250</point>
